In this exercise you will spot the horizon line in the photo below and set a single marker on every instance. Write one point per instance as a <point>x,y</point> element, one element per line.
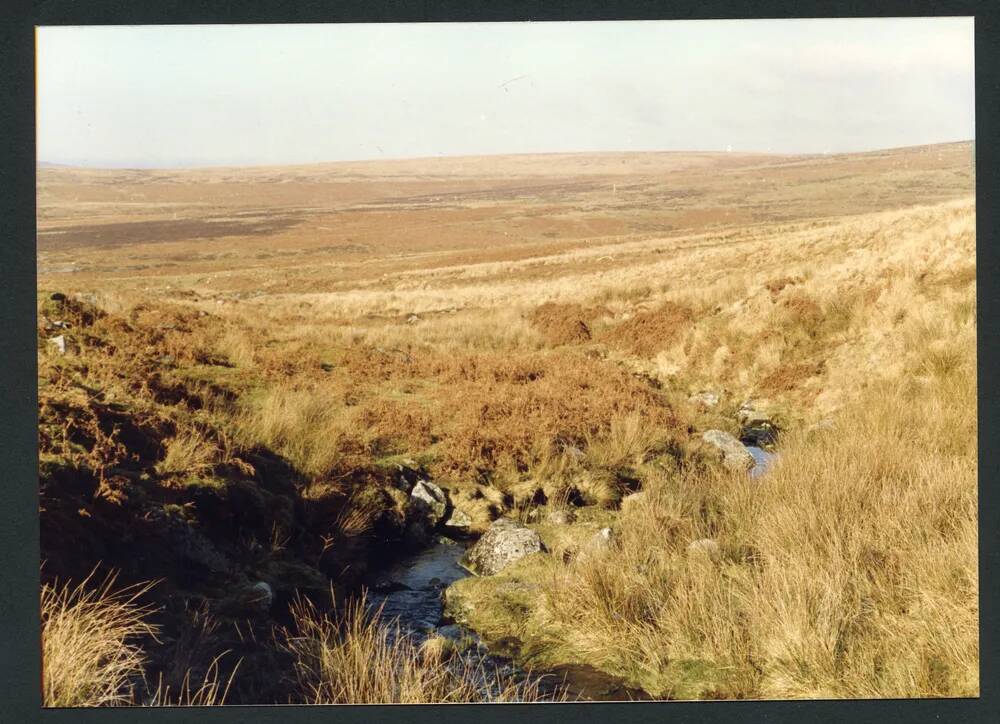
<point>378,159</point>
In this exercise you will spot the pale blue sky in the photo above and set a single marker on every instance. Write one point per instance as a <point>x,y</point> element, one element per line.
<point>271,94</point>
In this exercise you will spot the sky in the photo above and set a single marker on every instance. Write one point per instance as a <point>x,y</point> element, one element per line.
<point>205,95</point>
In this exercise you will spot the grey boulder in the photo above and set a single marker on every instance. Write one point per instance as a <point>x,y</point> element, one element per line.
<point>504,542</point>
<point>735,455</point>
<point>428,502</point>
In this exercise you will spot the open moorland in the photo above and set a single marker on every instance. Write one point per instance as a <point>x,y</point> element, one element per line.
<point>264,393</point>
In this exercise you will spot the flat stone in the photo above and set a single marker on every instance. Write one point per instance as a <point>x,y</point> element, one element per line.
<point>633,498</point>
<point>735,455</point>
<point>458,520</point>
<point>705,399</point>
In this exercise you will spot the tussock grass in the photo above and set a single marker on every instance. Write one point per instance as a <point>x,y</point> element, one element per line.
<point>849,571</point>
<point>91,642</point>
<point>189,452</point>
<point>306,425</point>
<point>93,635</point>
<point>628,440</point>
<point>358,659</point>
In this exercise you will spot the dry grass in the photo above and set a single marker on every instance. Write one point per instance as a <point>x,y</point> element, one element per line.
<point>554,370</point>
<point>848,571</point>
<point>305,425</point>
<point>189,452</point>
<point>211,691</point>
<point>359,660</point>
<point>91,643</point>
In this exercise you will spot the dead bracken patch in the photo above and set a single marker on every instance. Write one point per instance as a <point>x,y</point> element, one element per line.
<point>497,418</point>
<point>776,285</point>
<point>650,331</point>
<point>564,323</point>
<point>789,376</point>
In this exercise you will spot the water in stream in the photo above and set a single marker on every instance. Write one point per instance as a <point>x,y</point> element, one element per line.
<point>411,591</point>
<point>762,460</point>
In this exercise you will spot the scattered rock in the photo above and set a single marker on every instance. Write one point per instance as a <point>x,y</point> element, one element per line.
<point>705,399</point>
<point>758,425</point>
<point>747,408</point>
<point>407,474</point>
<point>602,540</point>
<point>503,543</point>
<point>412,319</point>
<point>560,517</point>
<point>704,549</point>
<point>632,499</point>
<point>262,594</point>
<point>428,502</point>
<point>52,325</point>
<point>458,521</point>
<point>254,600</point>
<point>59,343</point>
<point>734,453</point>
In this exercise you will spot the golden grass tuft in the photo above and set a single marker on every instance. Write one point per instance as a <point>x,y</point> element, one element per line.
<point>91,634</point>
<point>359,659</point>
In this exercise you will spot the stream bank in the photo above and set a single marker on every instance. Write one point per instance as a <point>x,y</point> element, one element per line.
<point>411,591</point>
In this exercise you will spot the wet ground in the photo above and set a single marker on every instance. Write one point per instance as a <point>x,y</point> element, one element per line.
<point>411,591</point>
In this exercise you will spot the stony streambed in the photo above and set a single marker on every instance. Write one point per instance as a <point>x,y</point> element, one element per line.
<point>411,592</point>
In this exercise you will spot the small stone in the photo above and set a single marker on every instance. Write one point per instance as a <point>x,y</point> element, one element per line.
<point>603,538</point>
<point>631,499</point>
<point>262,595</point>
<point>735,455</point>
<point>560,517</point>
<point>704,549</point>
<point>459,521</point>
<point>412,319</point>
<point>59,343</point>
<point>705,399</point>
<point>601,542</point>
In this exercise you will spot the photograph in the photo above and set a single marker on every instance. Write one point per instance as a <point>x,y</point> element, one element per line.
<point>507,362</point>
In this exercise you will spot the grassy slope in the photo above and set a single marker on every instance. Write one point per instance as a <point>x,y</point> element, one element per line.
<point>303,402</point>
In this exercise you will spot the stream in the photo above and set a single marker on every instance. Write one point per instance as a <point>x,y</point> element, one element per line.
<point>411,591</point>
<point>762,460</point>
